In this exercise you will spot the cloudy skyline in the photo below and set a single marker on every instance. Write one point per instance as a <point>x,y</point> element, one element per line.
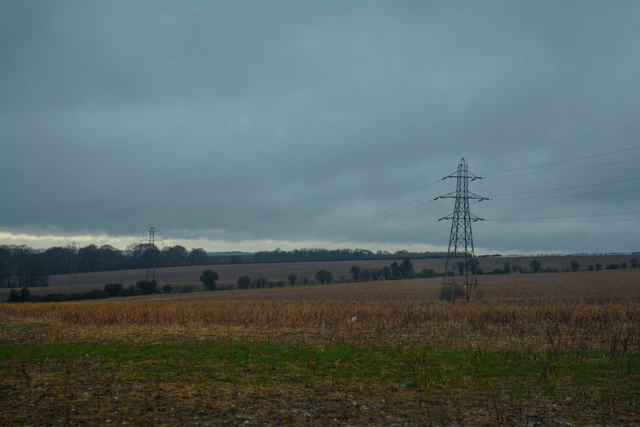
<point>262,124</point>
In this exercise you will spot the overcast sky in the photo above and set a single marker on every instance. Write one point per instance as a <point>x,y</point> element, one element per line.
<point>251,125</point>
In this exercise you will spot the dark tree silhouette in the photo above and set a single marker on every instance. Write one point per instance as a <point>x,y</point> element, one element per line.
<point>323,276</point>
<point>293,279</point>
<point>536,266</point>
<point>244,282</point>
<point>208,278</point>
<point>574,266</point>
<point>355,273</point>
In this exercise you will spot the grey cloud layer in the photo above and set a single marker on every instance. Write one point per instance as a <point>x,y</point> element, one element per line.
<point>244,120</point>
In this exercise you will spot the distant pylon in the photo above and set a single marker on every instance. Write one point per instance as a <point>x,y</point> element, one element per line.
<point>151,247</point>
<point>460,254</point>
<point>73,263</point>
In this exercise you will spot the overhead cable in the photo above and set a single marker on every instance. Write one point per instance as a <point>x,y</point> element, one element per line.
<point>566,188</point>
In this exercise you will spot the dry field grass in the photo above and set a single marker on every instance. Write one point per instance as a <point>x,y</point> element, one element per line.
<point>537,349</point>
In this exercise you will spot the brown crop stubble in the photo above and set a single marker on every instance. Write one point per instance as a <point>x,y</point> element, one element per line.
<point>546,313</point>
<point>525,323</point>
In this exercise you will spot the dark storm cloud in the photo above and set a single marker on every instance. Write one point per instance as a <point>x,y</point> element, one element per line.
<point>317,121</point>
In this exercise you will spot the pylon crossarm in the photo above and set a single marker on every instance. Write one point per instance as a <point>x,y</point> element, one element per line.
<point>452,175</point>
<point>451,195</point>
<point>474,196</point>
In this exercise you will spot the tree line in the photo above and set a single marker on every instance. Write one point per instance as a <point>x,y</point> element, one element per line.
<point>142,287</point>
<point>393,271</point>
<point>535,266</point>
<point>303,255</point>
<point>22,266</point>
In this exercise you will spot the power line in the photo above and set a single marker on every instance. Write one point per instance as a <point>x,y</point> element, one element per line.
<point>366,207</point>
<point>411,179</point>
<point>370,221</point>
<point>567,217</point>
<point>404,182</point>
<point>567,188</point>
<point>414,227</point>
<point>561,140</point>
<point>565,169</point>
<point>403,228</point>
<point>360,215</point>
<point>331,230</point>
<point>576,159</point>
<point>394,210</point>
<point>566,195</point>
<point>566,221</point>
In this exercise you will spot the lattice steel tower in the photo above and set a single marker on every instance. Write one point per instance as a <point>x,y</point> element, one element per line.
<point>460,254</point>
<point>151,247</point>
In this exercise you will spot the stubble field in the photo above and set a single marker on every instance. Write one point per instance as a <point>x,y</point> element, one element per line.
<point>536,349</point>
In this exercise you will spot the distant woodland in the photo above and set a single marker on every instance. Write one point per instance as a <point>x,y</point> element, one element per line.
<point>24,266</point>
<point>305,255</point>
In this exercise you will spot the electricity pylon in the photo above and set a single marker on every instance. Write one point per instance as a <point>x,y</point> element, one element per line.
<point>73,263</point>
<point>460,254</point>
<point>151,247</point>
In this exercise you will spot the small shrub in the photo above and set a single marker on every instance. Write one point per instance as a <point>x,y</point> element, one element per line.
<point>19,296</point>
<point>146,287</point>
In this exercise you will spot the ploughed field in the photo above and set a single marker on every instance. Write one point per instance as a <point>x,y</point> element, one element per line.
<point>536,349</point>
<point>229,273</point>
